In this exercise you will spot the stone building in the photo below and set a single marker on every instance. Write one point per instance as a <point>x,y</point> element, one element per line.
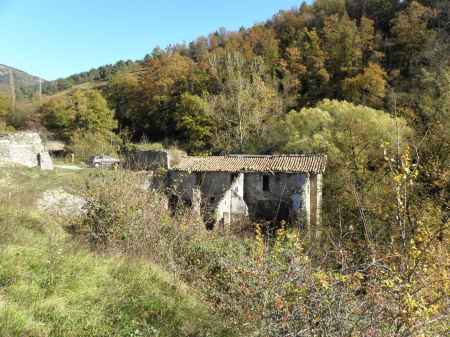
<point>272,188</point>
<point>24,149</point>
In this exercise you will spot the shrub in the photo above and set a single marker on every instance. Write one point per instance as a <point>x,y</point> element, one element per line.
<point>122,215</point>
<point>272,286</point>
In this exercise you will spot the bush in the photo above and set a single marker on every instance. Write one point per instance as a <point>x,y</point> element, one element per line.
<point>272,286</point>
<point>123,216</point>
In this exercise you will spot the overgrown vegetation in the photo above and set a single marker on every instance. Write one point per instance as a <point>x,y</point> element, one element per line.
<point>365,82</point>
<point>285,285</point>
<point>239,92</point>
<point>52,286</point>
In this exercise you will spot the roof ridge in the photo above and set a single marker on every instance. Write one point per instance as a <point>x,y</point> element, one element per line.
<point>255,163</point>
<point>260,155</point>
<point>275,155</point>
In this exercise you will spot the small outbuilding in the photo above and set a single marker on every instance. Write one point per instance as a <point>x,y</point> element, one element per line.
<point>24,149</point>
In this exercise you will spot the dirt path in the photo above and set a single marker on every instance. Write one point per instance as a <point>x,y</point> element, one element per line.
<point>69,167</point>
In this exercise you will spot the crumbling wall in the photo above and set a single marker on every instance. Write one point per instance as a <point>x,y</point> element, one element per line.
<point>148,160</point>
<point>25,149</point>
<point>279,196</point>
<point>277,201</point>
<point>232,205</point>
<point>153,159</point>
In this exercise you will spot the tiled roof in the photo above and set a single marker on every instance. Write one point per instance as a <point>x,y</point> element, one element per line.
<point>253,163</point>
<point>54,145</point>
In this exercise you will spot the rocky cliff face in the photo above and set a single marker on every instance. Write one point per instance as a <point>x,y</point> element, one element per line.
<point>25,149</point>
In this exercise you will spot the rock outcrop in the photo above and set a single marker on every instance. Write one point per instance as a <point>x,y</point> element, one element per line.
<point>24,149</point>
<point>59,202</point>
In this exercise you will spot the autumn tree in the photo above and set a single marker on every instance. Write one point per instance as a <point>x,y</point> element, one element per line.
<point>264,43</point>
<point>307,63</point>
<point>244,103</point>
<point>367,88</point>
<point>164,79</point>
<point>432,123</point>
<point>411,32</point>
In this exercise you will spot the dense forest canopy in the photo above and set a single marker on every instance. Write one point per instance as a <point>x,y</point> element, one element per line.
<point>378,53</point>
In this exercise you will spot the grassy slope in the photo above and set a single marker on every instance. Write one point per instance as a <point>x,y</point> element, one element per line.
<point>49,286</point>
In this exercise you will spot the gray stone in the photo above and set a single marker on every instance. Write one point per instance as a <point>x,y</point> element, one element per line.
<point>59,202</point>
<point>24,149</point>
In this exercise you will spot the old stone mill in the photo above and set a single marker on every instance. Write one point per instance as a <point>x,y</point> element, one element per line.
<point>230,188</point>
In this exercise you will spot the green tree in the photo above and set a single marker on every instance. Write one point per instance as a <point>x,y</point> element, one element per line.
<point>57,116</point>
<point>367,88</point>
<point>370,41</point>
<point>342,43</point>
<point>329,7</point>
<point>411,34</point>
<point>81,110</point>
<point>91,112</point>
<point>4,112</point>
<point>194,122</point>
<point>86,143</point>
<point>355,138</point>
<point>123,94</point>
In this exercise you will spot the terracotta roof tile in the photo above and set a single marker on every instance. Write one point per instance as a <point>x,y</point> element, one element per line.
<point>253,163</point>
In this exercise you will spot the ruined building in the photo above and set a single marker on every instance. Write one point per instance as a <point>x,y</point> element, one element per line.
<point>228,188</point>
<point>24,149</point>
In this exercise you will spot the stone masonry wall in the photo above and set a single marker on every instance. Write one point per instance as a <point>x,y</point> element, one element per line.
<point>277,201</point>
<point>25,149</point>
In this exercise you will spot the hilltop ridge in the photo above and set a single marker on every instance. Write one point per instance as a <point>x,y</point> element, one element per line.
<point>25,83</point>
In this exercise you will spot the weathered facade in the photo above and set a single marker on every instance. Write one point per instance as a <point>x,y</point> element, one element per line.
<point>153,159</point>
<point>272,188</point>
<point>25,149</point>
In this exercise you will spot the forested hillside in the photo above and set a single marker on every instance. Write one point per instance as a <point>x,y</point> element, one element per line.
<point>25,85</point>
<point>235,92</point>
<point>220,92</point>
<point>366,82</point>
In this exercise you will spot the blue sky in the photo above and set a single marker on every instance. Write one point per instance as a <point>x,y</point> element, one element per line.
<point>55,39</point>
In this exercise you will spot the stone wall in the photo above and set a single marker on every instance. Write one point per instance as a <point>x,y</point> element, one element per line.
<point>148,160</point>
<point>232,205</point>
<point>212,185</point>
<point>24,149</point>
<point>283,192</point>
<point>285,196</point>
<point>153,159</point>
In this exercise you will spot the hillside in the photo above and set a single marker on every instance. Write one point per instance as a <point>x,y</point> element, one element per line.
<point>364,83</point>
<point>25,83</point>
<point>50,285</point>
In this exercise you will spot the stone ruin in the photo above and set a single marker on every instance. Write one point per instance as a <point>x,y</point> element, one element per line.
<point>24,149</point>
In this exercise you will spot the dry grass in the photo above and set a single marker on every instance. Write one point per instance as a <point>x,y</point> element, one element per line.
<point>50,285</point>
